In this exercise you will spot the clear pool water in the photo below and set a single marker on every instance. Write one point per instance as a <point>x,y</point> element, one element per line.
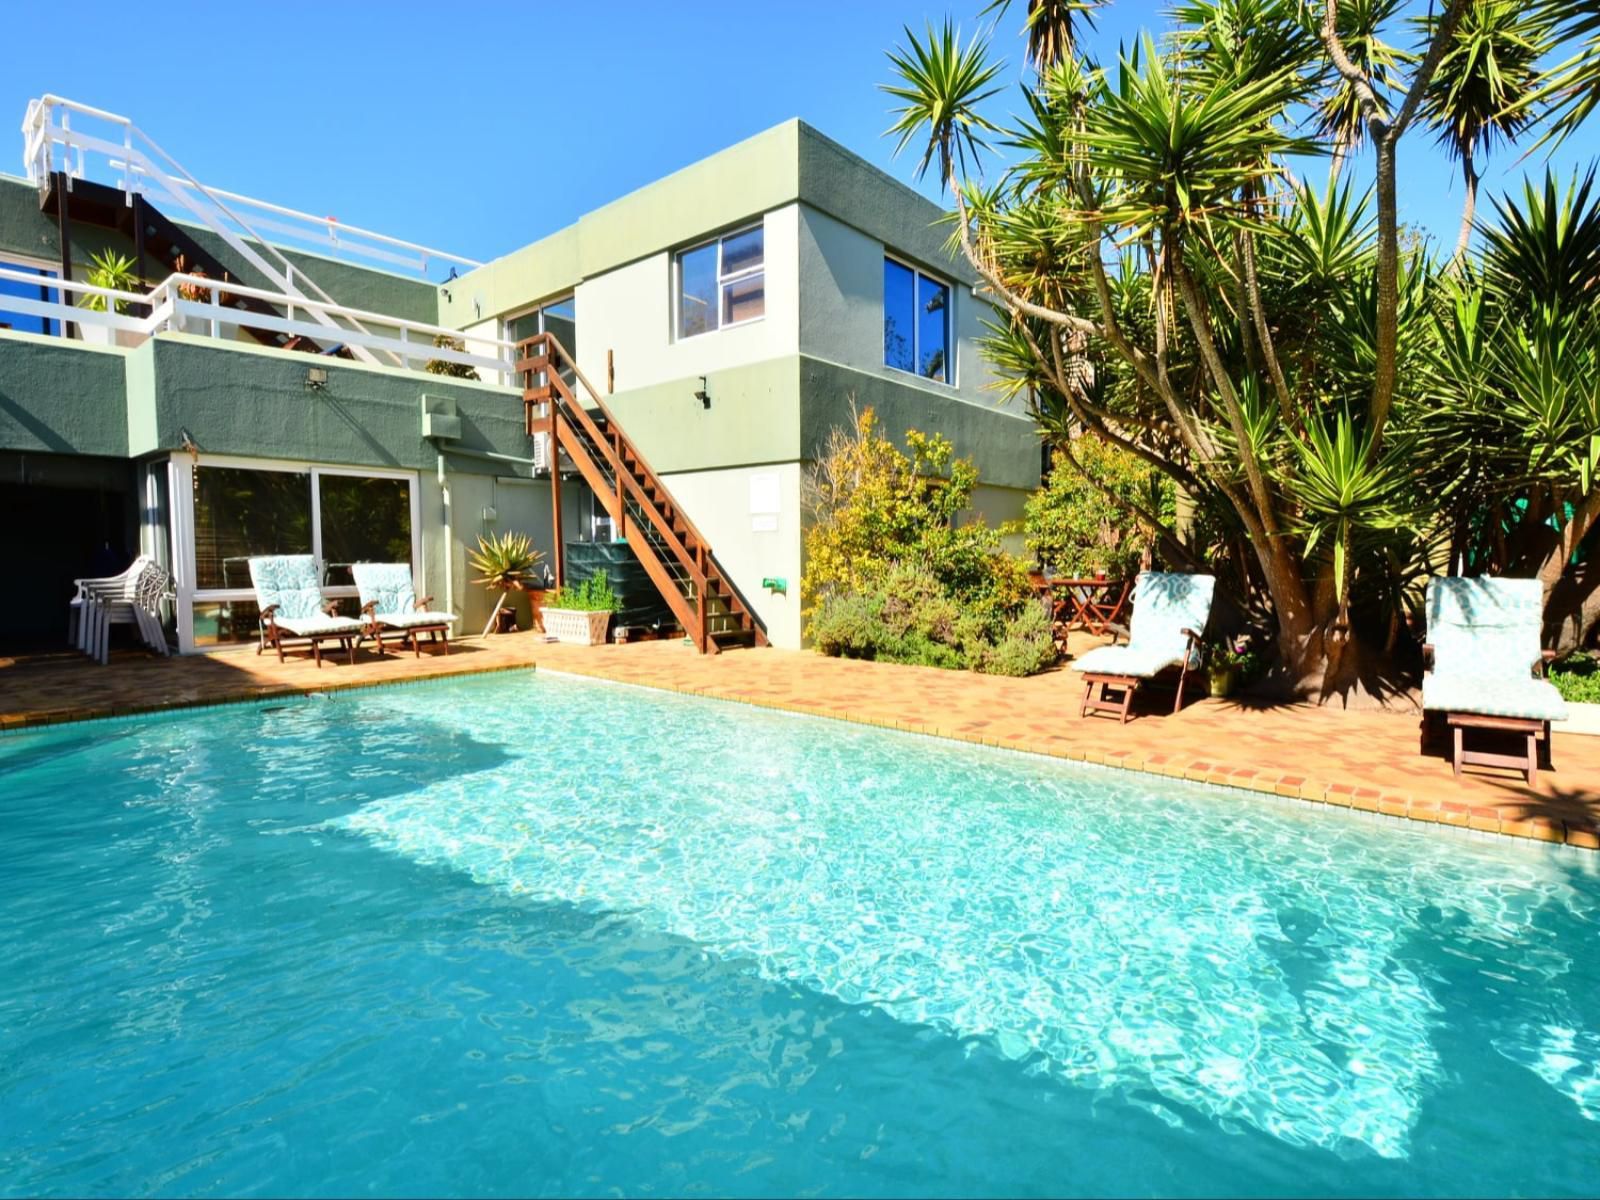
<point>533,935</point>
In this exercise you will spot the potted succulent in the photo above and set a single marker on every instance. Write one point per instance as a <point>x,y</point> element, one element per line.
<point>579,615</point>
<point>110,270</point>
<point>505,563</point>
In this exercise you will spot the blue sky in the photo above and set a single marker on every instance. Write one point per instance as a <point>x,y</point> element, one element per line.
<point>479,128</point>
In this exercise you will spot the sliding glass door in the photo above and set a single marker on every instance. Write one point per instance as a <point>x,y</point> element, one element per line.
<point>231,510</point>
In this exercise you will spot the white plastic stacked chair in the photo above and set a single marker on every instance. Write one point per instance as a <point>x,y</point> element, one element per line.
<point>131,598</point>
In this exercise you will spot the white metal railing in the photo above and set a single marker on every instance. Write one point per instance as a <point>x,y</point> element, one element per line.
<point>141,167</point>
<point>408,343</point>
<point>330,235</point>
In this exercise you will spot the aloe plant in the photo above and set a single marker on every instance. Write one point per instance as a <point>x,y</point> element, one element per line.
<point>110,270</point>
<point>505,563</point>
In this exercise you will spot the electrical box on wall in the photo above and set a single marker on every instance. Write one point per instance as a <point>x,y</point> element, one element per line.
<point>439,418</point>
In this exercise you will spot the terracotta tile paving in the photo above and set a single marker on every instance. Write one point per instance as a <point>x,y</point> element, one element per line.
<point>1365,761</point>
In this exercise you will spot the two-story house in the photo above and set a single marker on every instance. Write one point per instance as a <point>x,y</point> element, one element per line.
<point>726,318</point>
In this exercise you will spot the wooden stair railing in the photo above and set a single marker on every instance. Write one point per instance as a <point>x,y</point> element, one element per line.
<point>673,552</point>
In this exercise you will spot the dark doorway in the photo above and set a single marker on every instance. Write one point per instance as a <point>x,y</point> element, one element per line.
<point>50,535</point>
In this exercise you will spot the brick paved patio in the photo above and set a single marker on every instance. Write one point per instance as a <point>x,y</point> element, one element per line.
<point>1366,761</point>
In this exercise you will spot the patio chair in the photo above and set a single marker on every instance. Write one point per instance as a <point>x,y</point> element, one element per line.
<point>293,608</point>
<point>132,598</point>
<point>86,590</point>
<point>1169,619</point>
<point>389,603</point>
<point>1481,666</point>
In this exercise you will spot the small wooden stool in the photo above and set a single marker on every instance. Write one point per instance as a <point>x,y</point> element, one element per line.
<point>1535,731</point>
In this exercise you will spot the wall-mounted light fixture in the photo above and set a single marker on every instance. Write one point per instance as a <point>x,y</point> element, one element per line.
<point>702,395</point>
<point>316,378</point>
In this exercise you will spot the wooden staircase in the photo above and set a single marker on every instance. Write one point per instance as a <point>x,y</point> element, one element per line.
<point>672,551</point>
<point>157,239</point>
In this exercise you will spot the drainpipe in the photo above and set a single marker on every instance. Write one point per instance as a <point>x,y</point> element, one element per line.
<point>489,455</point>
<point>449,540</point>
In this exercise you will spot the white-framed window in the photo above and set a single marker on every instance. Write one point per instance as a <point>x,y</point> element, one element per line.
<point>720,283</point>
<point>224,510</point>
<point>916,323</point>
<point>30,293</point>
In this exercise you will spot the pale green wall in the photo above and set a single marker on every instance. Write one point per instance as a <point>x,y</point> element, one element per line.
<point>730,187</point>
<point>754,418</point>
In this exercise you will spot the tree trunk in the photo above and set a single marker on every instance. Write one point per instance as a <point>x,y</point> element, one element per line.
<point>1323,661</point>
<point>1468,207</point>
<point>1572,609</point>
<point>1388,331</point>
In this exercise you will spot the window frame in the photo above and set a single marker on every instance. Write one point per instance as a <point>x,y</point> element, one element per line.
<point>181,468</point>
<point>951,340</point>
<point>50,274</point>
<point>723,280</point>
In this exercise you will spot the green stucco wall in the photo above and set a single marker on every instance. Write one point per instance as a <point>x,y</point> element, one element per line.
<point>852,190</point>
<point>1005,448</point>
<point>244,401</point>
<point>783,409</point>
<point>61,397</point>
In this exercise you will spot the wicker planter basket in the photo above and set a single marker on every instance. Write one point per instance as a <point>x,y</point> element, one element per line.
<point>575,626</point>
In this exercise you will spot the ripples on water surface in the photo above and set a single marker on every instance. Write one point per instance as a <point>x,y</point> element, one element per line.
<point>516,935</point>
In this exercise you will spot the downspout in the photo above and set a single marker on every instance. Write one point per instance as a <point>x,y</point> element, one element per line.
<point>449,538</point>
<point>490,455</point>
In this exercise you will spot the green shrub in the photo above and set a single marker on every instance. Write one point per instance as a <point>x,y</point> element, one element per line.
<point>848,626</point>
<point>907,617</point>
<point>1027,647</point>
<point>1072,527</point>
<point>594,594</point>
<point>1577,679</point>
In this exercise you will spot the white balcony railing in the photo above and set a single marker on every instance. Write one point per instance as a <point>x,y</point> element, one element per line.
<point>110,149</point>
<point>78,141</point>
<point>407,343</point>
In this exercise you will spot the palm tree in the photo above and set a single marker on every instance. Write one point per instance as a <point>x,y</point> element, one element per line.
<point>1479,95</point>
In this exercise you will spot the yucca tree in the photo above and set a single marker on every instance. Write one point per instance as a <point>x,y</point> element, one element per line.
<point>1516,387</point>
<point>1051,27</point>
<point>1570,90</point>
<point>1480,93</point>
<point>1163,284</point>
<point>1342,113</point>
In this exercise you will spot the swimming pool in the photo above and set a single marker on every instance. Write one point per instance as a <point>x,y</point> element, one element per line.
<point>529,934</point>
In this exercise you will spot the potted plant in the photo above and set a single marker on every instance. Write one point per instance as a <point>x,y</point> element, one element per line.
<point>110,270</point>
<point>193,292</point>
<point>453,370</point>
<point>1229,661</point>
<point>504,564</point>
<point>579,615</point>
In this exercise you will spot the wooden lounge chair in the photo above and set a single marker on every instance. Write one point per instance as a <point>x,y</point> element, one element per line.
<point>1482,665</point>
<point>389,605</point>
<point>1169,620</point>
<point>293,608</point>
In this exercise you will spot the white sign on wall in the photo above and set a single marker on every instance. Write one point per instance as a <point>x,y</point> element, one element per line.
<point>765,502</point>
